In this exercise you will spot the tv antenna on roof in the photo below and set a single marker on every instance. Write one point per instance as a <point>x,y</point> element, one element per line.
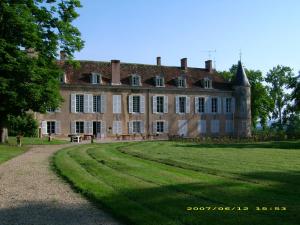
<point>209,52</point>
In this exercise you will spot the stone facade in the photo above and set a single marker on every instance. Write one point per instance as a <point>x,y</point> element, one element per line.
<point>189,102</point>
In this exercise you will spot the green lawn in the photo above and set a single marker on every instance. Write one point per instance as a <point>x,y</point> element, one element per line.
<point>154,183</point>
<point>36,141</point>
<point>7,152</point>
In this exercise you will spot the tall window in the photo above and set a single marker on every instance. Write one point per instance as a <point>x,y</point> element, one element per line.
<point>160,104</point>
<point>159,81</point>
<point>136,126</point>
<point>182,104</point>
<point>159,126</point>
<point>136,104</point>
<point>201,105</point>
<point>51,127</point>
<point>214,105</point>
<point>79,127</point>
<point>135,80</point>
<point>97,103</point>
<point>181,82</point>
<point>228,105</point>
<point>79,103</point>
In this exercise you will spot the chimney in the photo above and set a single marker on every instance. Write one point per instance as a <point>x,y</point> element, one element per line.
<point>63,55</point>
<point>115,72</point>
<point>158,61</point>
<point>184,63</point>
<point>208,65</point>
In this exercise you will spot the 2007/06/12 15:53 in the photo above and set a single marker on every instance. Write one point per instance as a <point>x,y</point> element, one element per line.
<point>235,208</point>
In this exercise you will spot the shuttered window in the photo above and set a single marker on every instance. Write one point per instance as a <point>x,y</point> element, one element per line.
<point>79,103</point>
<point>79,127</point>
<point>160,104</point>
<point>182,104</point>
<point>201,105</point>
<point>214,105</point>
<point>96,103</point>
<point>136,126</point>
<point>215,126</point>
<point>228,126</point>
<point>136,104</point>
<point>51,127</point>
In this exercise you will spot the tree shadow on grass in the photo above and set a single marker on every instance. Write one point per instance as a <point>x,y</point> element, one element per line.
<point>273,145</point>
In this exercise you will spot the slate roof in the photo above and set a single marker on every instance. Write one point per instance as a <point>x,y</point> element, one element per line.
<point>147,72</point>
<point>241,77</point>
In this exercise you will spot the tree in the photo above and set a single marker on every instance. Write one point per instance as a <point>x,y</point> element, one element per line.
<point>31,33</point>
<point>295,95</point>
<point>261,104</point>
<point>279,79</point>
<point>24,125</point>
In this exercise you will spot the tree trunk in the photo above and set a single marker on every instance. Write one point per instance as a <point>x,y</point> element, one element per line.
<point>3,135</point>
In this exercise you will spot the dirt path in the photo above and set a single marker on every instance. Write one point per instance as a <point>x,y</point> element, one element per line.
<point>31,194</point>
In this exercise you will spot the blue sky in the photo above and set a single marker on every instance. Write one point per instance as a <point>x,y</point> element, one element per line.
<point>266,31</point>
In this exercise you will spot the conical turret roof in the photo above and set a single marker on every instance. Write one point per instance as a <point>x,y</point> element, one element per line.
<point>241,77</point>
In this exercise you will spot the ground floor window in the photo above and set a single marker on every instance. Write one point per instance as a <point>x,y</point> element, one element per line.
<point>136,126</point>
<point>202,126</point>
<point>79,127</point>
<point>229,126</point>
<point>50,127</point>
<point>215,126</point>
<point>159,126</point>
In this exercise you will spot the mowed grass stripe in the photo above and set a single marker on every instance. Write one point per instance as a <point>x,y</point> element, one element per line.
<point>124,185</point>
<point>102,193</point>
<point>199,185</point>
<point>187,163</point>
<point>146,187</point>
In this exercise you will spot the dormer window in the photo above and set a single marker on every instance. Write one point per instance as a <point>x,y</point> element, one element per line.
<point>96,78</point>
<point>207,83</point>
<point>181,81</point>
<point>135,80</point>
<point>63,78</point>
<point>159,81</point>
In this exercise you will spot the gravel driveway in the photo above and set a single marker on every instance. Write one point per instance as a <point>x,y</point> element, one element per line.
<point>31,194</point>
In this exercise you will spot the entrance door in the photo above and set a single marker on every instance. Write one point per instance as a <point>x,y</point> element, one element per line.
<point>182,128</point>
<point>97,129</point>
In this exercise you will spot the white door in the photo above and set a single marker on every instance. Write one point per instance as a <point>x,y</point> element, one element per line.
<point>182,128</point>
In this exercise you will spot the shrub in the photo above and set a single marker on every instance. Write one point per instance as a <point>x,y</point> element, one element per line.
<point>24,125</point>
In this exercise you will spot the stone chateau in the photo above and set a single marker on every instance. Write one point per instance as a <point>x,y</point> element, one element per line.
<point>114,100</point>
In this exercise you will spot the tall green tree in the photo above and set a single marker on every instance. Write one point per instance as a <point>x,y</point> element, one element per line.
<point>31,34</point>
<point>279,80</point>
<point>295,95</point>
<point>261,104</point>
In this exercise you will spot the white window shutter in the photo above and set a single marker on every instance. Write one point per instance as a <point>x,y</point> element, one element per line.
<point>44,127</point>
<point>90,127</point>
<point>196,104</point>
<point>73,127</point>
<point>166,127</point>
<point>219,104</point>
<point>86,103</point>
<point>177,104</point>
<point>103,103</point>
<point>154,127</point>
<point>116,103</point>
<point>119,104</point>
<point>130,103</point>
<point>154,104</point>
<point>57,127</point>
<point>201,126</point>
<point>120,127</point>
<point>207,105</point>
<point>188,105</point>
<point>166,104</point>
<point>86,127</point>
<point>224,105</point>
<point>142,104</point>
<point>130,127</point>
<point>73,103</point>
<point>232,105</point>
<point>115,128</point>
<point>90,103</point>
<point>103,129</point>
<point>142,127</point>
